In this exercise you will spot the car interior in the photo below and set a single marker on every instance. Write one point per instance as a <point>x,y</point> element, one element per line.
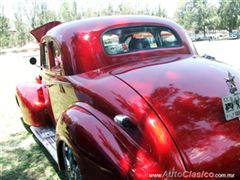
<point>138,44</point>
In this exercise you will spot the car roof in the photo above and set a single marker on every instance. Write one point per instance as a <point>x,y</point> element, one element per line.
<point>81,47</point>
<point>106,22</point>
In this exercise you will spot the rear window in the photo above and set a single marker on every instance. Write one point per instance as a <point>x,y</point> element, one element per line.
<point>129,39</point>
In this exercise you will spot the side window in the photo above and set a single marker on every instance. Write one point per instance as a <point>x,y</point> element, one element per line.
<point>168,39</point>
<point>45,59</point>
<point>56,55</point>
<point>111,44</point>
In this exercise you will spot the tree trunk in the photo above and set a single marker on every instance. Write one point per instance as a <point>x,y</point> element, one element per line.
<point>204,31</point>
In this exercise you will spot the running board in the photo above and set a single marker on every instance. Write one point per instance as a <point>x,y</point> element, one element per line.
<point>47,136</point>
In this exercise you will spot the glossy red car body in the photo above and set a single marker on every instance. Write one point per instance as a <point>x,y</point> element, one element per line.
<point>171,95</point>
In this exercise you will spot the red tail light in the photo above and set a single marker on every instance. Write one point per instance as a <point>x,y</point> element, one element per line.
<point>41,98</point>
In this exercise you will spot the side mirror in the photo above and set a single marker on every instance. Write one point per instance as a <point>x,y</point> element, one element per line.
<point>33,60</point>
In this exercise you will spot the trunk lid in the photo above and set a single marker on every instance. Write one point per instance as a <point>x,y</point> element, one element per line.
<point>186,95</point>
<point>40,31</point>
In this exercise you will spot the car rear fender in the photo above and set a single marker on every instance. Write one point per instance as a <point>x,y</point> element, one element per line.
<point>34,103</point>
<point>94,146</point>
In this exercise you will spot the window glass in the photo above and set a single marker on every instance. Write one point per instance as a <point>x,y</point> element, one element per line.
<point>168,39</point>
<point>45,62</point>
<point>57,59</point>
<point>129,39</point>
<point>148,37</point>
<point>111,44</point>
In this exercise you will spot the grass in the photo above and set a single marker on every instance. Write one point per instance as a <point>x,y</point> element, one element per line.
<point>22,158</point>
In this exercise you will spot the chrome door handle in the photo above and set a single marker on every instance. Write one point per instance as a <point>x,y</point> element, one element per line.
<point>123,120</point>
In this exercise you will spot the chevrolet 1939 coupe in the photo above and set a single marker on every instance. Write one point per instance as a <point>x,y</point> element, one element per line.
<point>128,97</point>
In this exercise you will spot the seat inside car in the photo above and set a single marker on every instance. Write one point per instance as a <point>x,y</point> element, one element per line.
<point>138,44</point>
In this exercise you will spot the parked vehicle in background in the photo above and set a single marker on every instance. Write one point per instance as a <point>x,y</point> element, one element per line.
<point>234,35</point>
<point>221,36</point>
<point>201,37</point>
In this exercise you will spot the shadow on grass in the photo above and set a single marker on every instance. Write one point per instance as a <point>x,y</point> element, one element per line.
<point>21,158</point>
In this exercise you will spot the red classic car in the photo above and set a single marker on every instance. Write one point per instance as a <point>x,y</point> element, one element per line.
<point>128,97</point>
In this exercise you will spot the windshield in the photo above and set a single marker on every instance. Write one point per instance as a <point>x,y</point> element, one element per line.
<point>129,39</point>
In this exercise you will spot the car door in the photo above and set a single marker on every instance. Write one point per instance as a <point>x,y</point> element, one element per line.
<point>61,92</point>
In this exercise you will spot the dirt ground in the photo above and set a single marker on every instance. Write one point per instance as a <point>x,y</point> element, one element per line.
<point>21,157</point>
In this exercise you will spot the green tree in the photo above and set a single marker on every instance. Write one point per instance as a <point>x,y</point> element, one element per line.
<point>229,13</point>
<point>44,16</point>
<point>68,11</point>
<point>4,31</point>
<point>107,11</point>
<point>21,34</point>
<point>161,12</point>
<point>30,11</point>
<point>196,14</point>
<point>213,19</point>
<point>110,10</point>
<point>124,9</point>
<point>36,12</point>
<point>145,11</point>
<point>182,14</point>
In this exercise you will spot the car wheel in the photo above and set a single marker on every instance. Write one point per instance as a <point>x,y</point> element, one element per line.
<point>71,169</point>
